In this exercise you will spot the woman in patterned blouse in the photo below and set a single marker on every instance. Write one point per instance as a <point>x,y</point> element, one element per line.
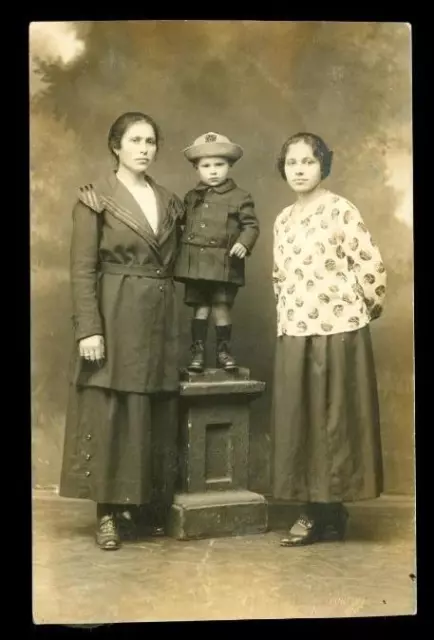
<point>329,282</point>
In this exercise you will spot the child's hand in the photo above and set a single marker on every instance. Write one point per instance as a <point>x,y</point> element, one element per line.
<point>238,250</point>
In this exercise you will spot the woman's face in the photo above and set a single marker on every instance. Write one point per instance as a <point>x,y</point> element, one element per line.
<point>302,169</point>
<point>137,148</point>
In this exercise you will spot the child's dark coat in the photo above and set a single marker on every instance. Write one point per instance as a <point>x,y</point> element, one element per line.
<point>215,219</point>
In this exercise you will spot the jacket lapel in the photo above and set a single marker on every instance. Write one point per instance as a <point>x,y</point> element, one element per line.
<point>167,214</point>
<point>119,202</point>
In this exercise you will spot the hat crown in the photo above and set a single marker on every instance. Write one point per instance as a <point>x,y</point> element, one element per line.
<point>213,144</point>
<point>211,137</point>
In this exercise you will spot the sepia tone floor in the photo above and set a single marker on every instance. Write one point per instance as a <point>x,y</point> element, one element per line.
<point>370,574</point>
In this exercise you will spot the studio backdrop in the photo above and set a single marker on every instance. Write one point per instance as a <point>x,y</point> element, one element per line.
<point>256,83</point>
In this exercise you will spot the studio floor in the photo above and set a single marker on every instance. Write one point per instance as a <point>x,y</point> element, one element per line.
<point>371,573</point>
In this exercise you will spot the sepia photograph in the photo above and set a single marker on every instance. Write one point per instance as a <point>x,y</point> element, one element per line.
<point>222,340</point>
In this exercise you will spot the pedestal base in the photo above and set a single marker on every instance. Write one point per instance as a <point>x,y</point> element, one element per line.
<point>215,514</point>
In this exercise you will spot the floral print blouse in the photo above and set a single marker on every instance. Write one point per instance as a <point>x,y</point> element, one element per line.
<point>328,274</point>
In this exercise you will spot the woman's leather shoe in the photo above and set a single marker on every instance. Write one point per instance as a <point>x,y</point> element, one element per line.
<point>327,522</point>
<point>158,532</point>
<point>127,524</point>
<point>306,530</point>
<point>335,524</point>
<point>107,534</point>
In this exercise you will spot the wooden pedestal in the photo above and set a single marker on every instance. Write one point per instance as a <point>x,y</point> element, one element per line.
<point>214,453</point>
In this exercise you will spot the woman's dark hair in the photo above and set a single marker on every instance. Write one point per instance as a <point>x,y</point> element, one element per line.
<point>124,122</point>
<point>320,151</point>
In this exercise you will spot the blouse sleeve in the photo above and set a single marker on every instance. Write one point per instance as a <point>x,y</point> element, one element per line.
<point>364,259</point>
<point>278,275</point>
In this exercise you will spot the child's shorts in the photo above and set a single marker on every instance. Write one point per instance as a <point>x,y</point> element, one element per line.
<point>199,293</point>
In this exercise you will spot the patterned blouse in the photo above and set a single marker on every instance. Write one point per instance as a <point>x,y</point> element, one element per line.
<point>328,275</point>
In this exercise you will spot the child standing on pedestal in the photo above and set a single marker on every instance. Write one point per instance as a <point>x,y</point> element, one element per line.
<point>220,229</point>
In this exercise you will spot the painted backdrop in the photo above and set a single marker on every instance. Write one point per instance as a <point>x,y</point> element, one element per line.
<point>256,83</point>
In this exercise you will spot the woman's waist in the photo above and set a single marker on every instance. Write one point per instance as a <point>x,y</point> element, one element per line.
<point>324,292</point>
<point>159,271</point>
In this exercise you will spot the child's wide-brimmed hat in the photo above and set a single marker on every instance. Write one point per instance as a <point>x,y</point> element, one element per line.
<point>213,144</point>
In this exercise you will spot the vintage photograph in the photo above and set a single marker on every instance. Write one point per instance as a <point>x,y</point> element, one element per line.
<point>221,226</point>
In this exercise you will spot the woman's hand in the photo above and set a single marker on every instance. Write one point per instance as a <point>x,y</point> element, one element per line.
<point>92,348</point>
<point>375,312</point>
<point>238,250</point>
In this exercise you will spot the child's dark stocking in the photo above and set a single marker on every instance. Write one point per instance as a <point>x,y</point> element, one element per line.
<point>199,330</point>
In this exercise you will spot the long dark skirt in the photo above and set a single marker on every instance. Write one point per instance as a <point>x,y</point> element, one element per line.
<point>326,443</point>
<point>120,448</point>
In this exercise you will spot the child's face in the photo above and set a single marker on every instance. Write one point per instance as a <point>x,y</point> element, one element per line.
<point>302,169</point>
<point>213,171</point>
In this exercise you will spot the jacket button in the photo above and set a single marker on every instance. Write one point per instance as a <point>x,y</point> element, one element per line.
<point>88,456</point>
<point>201,249</point>
<point>202,225</point>
<point>205,206</point>
<point>158,271</point>
<point>87,474</point>
<point>88,437</point>
<point>191,236</point>
<point>161,288</point>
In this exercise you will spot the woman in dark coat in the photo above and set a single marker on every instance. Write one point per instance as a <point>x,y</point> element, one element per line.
<point>120,440</point>
<point>329,283</point>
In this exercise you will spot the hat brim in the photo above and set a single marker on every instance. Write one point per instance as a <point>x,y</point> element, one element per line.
<point>214,149</point>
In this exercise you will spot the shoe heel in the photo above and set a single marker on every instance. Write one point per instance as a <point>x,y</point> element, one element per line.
<point>341,525</point>
<point>195,369</point>
<point>335,527</point>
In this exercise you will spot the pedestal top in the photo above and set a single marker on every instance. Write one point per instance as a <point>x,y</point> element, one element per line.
<point>216,498</point>
<point>246,387</point>
<point>215,375</point>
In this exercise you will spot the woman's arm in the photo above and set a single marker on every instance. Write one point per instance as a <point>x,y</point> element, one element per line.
<point>364,259</point>
<point>278,275</point>
<point>183,217</point>
<point>177,207</point>
<point>83,272</point>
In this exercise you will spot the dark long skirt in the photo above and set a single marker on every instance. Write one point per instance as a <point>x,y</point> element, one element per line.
<point>326,443</point>
<point>120,448</point>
